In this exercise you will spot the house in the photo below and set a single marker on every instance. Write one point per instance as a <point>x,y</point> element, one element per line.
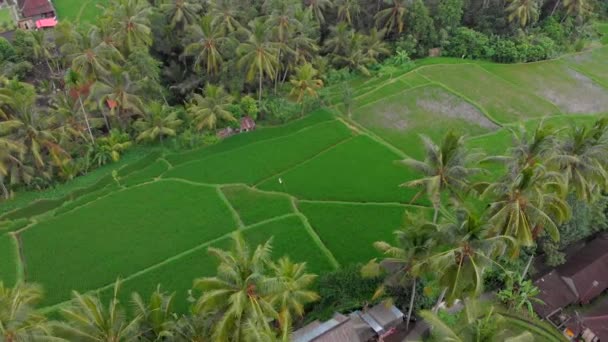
<point>581,279</point>
<point>31,11</point>
<point>36,9</point>
<point>247,124</point>
<point>358,326</point>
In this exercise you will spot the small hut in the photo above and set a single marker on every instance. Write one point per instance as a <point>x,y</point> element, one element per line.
<point>225,133</point>
<point>247,124</point>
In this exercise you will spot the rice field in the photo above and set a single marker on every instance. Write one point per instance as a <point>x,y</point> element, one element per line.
<point>323,187</point>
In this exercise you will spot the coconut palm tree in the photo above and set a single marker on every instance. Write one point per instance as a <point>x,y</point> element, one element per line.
<point>375,46</point>
<point>355,57</point>
<point>393,17</point>
<point>530,149</point>
<point>110,147</point>
<point>576,8</point>
<point>131,24</point>
<point>91,56</point>
<point>582,158</point>
<point>79,86</point>
<point>206,41</point>
<point>180,13</point>
<point>293,290</point>
<point>238,293</point>
<point>42,48</point>
<point>19,321</point>
<point>258,55</point>
<point>225,14</point>
<point>348,10</point>
<point>318,8</point>
<point>466,247</point>
<point>446,167</point>
<point>305,84</point>
<point>415,241</point>
<point>479,322</point>
<point>207,110</point>
<point>118,93</point>
<point>157,320</point>
<point>159,120</point>
<point>527,203</point>
<point>339,38</point>
<point>88,319</point>
<point>525,11</point>
<point>285,25</point>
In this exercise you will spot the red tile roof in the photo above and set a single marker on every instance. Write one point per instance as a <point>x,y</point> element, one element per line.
<point>554,293</point>
<point>32,8</point>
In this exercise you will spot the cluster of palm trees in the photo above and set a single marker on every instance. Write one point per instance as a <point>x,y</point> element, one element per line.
<point>477,222</point>
<point>252,298</point>
<point>527,12</point>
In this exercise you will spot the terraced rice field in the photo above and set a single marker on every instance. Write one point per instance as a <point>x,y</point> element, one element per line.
<point>324,187</point>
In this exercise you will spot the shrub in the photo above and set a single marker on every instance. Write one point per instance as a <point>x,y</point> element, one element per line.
<point>7,51</point>
<point>468,43</point>
<point>343,290</point>
<point>249,107</point>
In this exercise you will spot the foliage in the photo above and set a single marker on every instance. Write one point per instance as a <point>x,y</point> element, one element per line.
<point>519,295</point>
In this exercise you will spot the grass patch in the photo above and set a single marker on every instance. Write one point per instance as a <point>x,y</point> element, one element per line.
<point>591,63</point>
<point>290,238</point>
<point>81,11</point>
<point>349,230</point>
<point>252,163</point>
<point>429,110</point>
<point>133,229</point>
<point>503,101</point>
<point>8,260</point>
<point>572,91</point>
<point>360,170</point>
<point>256,206</point>
<point>260,134</point>
<point>7,21</point>
<point>148,173</point>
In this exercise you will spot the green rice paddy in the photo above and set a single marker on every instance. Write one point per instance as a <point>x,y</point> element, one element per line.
<point>324,187</point>
<point>79,11</point>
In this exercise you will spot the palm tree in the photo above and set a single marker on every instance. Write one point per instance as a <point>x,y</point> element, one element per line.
<point>237,294</point>
<point>157,318</point>
<point>479,322</point>
<point>465,249</point>
<point>19,321</point>
<point>87,319</point>
<point>392,17</point>
<point>207,40</point>
<point>375,46</point>
<point>525,11</point>
<point>207,110</point>
<point>79,86</point>
<point>448,166</point>
<point>91,56</point>
<point>42,49</point>
<point>11,153</point>
<point>348,10</point>
<point>180,13</point>
<point>284,25</point>
<point>577,8</point>
<point>259,56</point>
<point>582,159</point>
<point>160,120</point>
<point>414,243</point>
<point>317,8</point>
<point>339,38</point>
<point>118,93</point>
<point>528,150</point>
<point>292,294</point>
<point>131,24</point>
<point>526,203</point>
<point>225,14</point>
<point>110,147</point>
<point>305,84</point>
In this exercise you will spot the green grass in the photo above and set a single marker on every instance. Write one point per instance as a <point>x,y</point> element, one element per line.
<point>591,63</point>
<point>6,19</point>
<point>290,238</point>
<point>148,173</point>
<point>254,162</point>
<point>349,230</point>
<point>430,110</point>
<point>121,234</point>
<point>503,101</point>
<point>570,90</point>
<point>8,260</point>
<point>358,170</point>
<point>255,206</point>
<point>260,134</point>
<point>83,11</point>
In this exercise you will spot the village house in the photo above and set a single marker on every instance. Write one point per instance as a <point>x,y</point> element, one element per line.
<point>36,14</point>
<point>583,278</point>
